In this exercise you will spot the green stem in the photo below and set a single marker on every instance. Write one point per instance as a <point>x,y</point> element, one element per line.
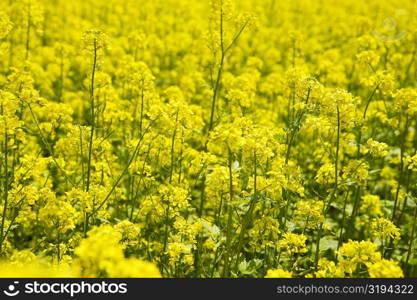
<point>229,211</point>
<point>411,242</point>
<point>92,120</point>
<point>248,216</point>
<point>342,226</point>
<point>132,157</point>
<point>171,169</point>
<point>402,150</point>
<point>6,188</point>
<point>29,20</point>
<point>334,194</point>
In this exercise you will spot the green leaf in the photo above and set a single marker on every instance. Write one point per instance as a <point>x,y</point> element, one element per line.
<point>327,243</point>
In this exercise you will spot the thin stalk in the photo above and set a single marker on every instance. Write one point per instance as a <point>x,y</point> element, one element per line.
<point>219,72</point>
<point>342,226</point>
<point>180,157</point>
<point>171,170</point>
<point>6,188</point>
<point>229,212</point>
<point>166,233</point>
<point>334,193</point>
<point>47,145</point>
<point>289,142</point>
<point>202,195</point>
<point>354,210</point>
<point>61,77</point>
<point>359,140</point>
<point>411,242</point>
<point>92,108</point>
<point>135,196</point>
<point>132,157</point>
<point>82,158</point>
<point>58,246</point>
<point>295,129</point>
<point>12,222</point>
<point>369,100</point>
<point>248,216</point>
<point>223,51</point>
<point>402,150</point>
<point>141,111</point>
<point>215,92</point>
<point>407,72</point>
<point>29,19</point>
<point>405,199</point>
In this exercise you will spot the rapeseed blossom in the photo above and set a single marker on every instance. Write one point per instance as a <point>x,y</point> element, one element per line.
<point>215,138</point>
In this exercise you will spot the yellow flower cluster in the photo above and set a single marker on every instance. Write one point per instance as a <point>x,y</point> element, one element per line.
<point>278,273</point>
<point>356,259</point>
<point>101,254</point>
<point>217,138</point>
<point>293,243</point>
<point>385,269</point>
<point>384,229</point>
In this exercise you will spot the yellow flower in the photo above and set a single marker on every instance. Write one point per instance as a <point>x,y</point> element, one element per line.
<point>328,269</point>
<point>355,252</point>
<point>293,243</point>
<point>101,254</point>
<point>278,273</point>
<point>59,215</point>
<point>371,205</point>
<point>376,148</point>
<point>130,232</point>
<point>5,25</point>
<point>310,211</point>
<point>385,269</point>
<point>384,229</point>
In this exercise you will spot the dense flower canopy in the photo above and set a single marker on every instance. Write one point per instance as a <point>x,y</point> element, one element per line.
<point>221,138</point>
